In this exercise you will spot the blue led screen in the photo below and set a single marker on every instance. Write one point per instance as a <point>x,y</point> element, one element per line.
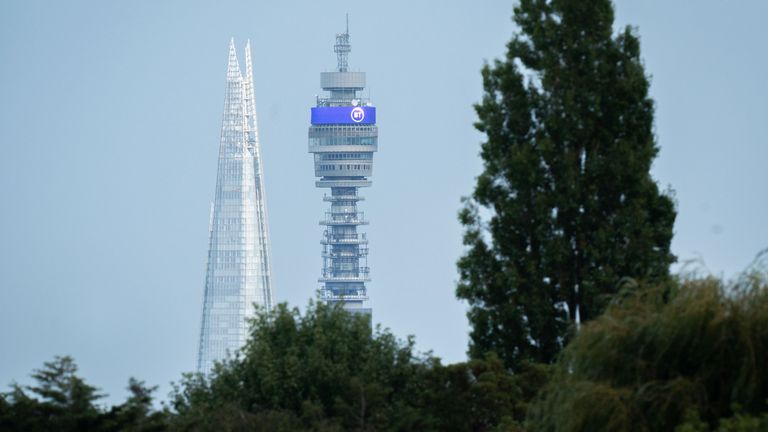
<point>343,115</point>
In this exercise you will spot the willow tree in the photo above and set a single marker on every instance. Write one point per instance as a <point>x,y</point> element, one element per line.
<point>687,355</point>
<point>566,207</point>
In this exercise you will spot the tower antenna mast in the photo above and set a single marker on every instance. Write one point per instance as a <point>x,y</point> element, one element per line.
<point>342,49</point>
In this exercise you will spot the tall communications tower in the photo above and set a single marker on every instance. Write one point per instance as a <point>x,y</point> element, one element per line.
<point>343,137</point>
<point>238,274</point>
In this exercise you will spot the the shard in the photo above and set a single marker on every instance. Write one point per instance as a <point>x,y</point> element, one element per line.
<point>238,277</point>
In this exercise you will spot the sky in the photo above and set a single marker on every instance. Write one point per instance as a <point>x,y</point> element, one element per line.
<point>110,114</point>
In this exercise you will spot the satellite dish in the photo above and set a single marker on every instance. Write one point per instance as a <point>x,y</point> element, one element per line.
<point>355,102</point>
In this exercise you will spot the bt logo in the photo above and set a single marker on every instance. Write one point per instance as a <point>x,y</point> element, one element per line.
<point>357,114</point>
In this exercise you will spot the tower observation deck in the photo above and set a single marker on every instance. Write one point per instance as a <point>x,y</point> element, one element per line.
<point>343,137</point>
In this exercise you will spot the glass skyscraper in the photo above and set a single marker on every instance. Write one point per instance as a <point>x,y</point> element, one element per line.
<point>238,275</point>
<point>343,137</point>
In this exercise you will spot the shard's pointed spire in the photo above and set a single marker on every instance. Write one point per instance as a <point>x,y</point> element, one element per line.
<point>234,110</point>
<point>238,232</point>
<point>233,67</point>
<point>248,63</point>
<point>264,270</point>
<point>250,100</point>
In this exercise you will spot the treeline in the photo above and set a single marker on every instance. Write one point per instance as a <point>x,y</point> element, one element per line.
<point>576,322</point>
<point>687,355</point>
<point>60,400</point>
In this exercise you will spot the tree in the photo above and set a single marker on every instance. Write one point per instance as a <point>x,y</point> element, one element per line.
<point>571,207</point>
<point>325,371</point>
<point>67,401</point>
<point>686,356</point>
<point>477,395</point>
<point>136,413</point>
<point>62,401</point>
<point>320,371</point>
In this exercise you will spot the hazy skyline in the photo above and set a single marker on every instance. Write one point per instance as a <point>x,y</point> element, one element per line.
<point>110,121</point>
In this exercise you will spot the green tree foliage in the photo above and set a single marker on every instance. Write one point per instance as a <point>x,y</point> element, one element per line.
<point>136,413</point>
<point>66,401</point>
<point>322,370</point>
<point>479,395</point>
<point>571,206</point>
<point>689,356</point>
<point>326,371</point>
<point>63,401</point>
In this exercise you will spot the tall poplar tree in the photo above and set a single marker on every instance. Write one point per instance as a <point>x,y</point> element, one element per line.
<point>565,208</point>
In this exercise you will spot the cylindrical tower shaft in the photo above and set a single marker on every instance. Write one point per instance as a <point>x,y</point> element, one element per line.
<point>343,137</point>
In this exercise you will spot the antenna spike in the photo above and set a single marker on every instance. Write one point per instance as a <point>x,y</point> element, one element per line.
<point>342,49</point>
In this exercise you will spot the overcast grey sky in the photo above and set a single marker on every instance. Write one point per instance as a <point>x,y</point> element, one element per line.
<point>109,126</point>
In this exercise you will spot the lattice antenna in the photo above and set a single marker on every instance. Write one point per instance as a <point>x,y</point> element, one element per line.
<point>342,48</point>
